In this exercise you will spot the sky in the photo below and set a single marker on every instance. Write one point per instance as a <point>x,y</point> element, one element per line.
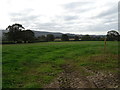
<point>66,16</point>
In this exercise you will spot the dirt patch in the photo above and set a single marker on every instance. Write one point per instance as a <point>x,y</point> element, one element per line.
<point>71,78</point>
<point>104,80</point>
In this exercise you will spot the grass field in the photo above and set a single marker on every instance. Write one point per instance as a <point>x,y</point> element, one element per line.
<point>37,64</point>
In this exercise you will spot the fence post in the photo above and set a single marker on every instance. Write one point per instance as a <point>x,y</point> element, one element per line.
<point>105,45</point>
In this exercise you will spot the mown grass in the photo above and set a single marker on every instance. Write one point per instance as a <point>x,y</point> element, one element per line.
<point>35,65</point>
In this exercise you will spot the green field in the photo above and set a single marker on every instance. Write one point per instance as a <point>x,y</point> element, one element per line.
<point>37,64</point>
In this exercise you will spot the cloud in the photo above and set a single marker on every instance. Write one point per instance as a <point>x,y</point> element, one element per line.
<point>21,12</point>
<point>24,18</point>
<point>71,16</point>
<point>109,12</point>
<point>24,15</point>
<point>74,5</point>
<point>79,7</point>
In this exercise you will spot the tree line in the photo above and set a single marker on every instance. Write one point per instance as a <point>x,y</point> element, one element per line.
<point>18,34</point>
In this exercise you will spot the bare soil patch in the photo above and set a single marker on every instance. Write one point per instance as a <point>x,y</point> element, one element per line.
<point>71,78</point>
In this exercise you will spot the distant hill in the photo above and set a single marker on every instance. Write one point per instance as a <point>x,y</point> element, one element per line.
<point>56,34</point>
<point>40,33</point>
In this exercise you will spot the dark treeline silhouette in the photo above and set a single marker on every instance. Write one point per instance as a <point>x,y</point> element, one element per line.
<point>65,37</point>
<point>92,38</point>
<point>18,34</point>
<point>50,37</point>
<point>113,36</point>
<point>76,38</point>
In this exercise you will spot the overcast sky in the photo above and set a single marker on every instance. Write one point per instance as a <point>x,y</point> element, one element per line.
<point>67,16</point>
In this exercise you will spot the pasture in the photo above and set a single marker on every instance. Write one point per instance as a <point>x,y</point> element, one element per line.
<point>37,64</point>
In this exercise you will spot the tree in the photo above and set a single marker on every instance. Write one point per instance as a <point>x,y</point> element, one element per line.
<point>5,37</point>
<point>113,36</point>
<point>86,38</point>
<point>76,38</point>
<point>41,38</point>
<point>50,37</point>
<point>28,35</point>
<point>14,33</point>
<point>65,37</point>
<point>95,38</point>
